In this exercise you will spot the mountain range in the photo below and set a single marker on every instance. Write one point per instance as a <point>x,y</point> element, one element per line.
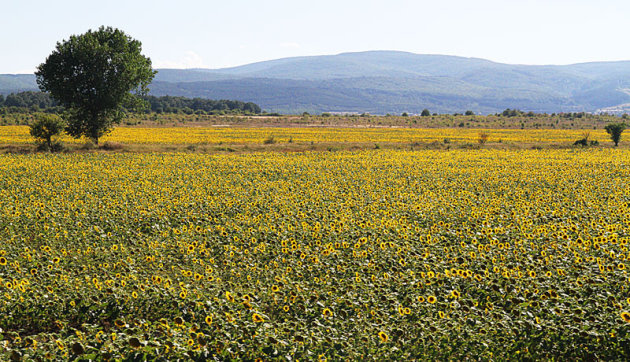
<point>381,82</point>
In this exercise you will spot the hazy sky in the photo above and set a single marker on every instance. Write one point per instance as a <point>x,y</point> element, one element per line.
<point>212,34</point>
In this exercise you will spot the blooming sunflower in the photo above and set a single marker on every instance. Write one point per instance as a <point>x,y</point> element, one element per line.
<point>257,318</point>
<point>383,336</point>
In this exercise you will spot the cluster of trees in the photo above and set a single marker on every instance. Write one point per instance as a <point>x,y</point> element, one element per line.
<point>42,102</point>
<point>168,104</point>
<point>28,101</point>
<point>518,113</point>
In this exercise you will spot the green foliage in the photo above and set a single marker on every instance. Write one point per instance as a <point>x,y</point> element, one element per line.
<point>425,113</point>
<point>93,75</point>
<point>45,127</point>
<point>615,130</point>
<point>170,104</point>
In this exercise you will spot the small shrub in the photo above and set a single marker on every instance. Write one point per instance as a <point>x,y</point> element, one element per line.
<point>45,127</point>
<point>269,140</point>
<point>53,147</point>
<point>483,138</point>
<point>581,142</point>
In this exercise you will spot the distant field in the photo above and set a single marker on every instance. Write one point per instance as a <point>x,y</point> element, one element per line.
<point>370,255</point>
<point>307,135</point>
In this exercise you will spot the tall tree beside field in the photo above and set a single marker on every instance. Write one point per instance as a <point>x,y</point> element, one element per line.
<point>615,130</point>
<point>96,76</point>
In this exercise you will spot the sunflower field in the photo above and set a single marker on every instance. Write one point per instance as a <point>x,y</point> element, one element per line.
<point>250,135</point>
<point>377,255</point>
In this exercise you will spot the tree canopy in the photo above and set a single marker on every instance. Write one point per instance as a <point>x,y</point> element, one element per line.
<point>615,130</point>
<point>96,76</point>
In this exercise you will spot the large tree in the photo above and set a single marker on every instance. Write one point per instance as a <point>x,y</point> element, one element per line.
<point>96,76</point>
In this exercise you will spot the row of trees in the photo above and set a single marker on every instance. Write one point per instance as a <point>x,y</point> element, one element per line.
<point>34,101</point>
<point>42,102</point>
<point>169,104</point>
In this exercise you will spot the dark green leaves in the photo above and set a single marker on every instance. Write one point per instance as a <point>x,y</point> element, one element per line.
<point>95,76</point>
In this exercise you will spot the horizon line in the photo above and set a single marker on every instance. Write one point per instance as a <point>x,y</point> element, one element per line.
<point>370,51</point>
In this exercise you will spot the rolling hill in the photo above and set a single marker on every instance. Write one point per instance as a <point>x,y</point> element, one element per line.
<point>382,82</point>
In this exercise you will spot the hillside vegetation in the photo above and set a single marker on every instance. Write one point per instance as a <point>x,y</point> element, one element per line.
<point>394,82</point>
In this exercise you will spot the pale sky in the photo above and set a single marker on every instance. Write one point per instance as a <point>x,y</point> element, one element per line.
<point>214,34</point>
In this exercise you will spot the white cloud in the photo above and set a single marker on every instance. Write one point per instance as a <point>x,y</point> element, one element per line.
<point>189,60</point>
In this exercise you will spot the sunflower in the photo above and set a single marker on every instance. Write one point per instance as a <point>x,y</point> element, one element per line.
<point>327,312</point>
<point>229,296</point>
<point>383,336</point>
<point>257,318</point>
<point>179,321</point>
<point>3,260</point>
<point>625,316</point>
<point>431,299</point>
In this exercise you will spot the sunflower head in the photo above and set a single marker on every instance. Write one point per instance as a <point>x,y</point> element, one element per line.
<point>383,336</point>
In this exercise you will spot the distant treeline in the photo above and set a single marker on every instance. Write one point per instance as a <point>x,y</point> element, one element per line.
<point>518,113</point>
<point>41,102</point>
<point>168,104</point>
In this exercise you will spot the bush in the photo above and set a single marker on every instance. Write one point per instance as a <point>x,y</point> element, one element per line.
<point>582,142</point>
<point>483,138</point>
<point>45,127</point>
